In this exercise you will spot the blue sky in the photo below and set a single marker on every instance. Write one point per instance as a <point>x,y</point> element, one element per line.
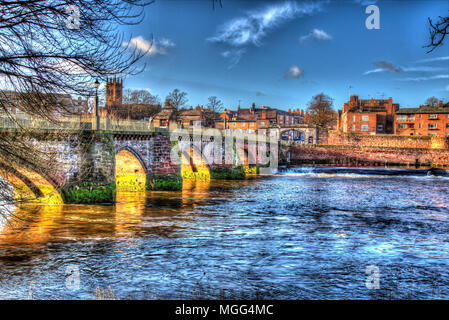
<point>281,53</point>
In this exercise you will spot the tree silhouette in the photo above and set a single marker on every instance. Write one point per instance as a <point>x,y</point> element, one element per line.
<point>437,31</point>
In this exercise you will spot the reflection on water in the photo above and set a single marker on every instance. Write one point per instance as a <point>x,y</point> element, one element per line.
<point>290,236</point>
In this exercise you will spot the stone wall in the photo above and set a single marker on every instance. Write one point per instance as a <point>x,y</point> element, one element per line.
<point>351,155</point>
<point>389,141</point>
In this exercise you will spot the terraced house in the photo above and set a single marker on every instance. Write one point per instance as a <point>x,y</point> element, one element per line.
<point>258,118</point>
<point>423,121</point>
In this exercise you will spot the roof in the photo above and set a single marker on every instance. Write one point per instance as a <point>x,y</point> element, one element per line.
<point>424,109</point>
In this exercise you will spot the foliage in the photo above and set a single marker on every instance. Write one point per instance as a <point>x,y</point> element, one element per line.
<point>235,173</point>
<point>320,111</point>
<point>90,194</point>
<point>167,182</point>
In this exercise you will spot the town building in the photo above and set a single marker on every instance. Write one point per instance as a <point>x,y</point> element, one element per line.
<point>258,118</point>
<point>423,121</point>
<point>65,104</point>
<point>373,116</point>
<point>166,116</point>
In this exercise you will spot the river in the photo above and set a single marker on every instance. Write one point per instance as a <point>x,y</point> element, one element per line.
<point>301,234</point>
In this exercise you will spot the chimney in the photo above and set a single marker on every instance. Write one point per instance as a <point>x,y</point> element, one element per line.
<point>289,110</point>
<point>440,104</point>
<point>297,111</point>
<point>264,114</point>
<point>253,107</point>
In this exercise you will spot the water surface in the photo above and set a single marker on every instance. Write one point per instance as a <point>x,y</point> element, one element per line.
<point>298,235</point>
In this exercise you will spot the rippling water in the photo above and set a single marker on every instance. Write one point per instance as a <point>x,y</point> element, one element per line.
<point>297,235</point>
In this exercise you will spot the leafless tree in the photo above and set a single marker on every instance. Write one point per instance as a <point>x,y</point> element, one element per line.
<point>431,102</point>
<point>178,99</point>
<point>142,96</point>
<point>437,31</point>
<point>55,48</point>
<point>215,104</point>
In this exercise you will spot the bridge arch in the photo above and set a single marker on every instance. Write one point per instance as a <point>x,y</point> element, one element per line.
<point>294,134</point>
<point>30,186</point>
<point>130,170</point>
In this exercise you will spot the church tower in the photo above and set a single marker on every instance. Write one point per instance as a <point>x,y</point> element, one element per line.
<point>114,91</point>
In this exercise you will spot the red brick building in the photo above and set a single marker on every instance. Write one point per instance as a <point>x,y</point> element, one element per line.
<point>423,121</point>
<point>374,116</point>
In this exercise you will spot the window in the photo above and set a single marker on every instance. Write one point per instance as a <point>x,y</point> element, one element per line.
<point>432,125</point>
<point>353,118</point>
<point>364,127</point>
<point>447,115</point>
<point>234,124</point>
<point>402,126</point>
<point>364,118</point>
<point>280,118</point>
<point>447,125</point>
<point>262,123</point>
<point>380,127</point>
<point>420,115</point>
<point>433,116</point>
<point>252,124</point>
<point>353,127</point>
<point>420,126</point>
<point>432,134</point>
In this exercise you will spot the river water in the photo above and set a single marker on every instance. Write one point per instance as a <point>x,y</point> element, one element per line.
<point>302,234</point>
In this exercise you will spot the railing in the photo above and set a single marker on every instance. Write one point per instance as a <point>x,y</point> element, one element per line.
<point>74,123</point>
<point>19,123</point>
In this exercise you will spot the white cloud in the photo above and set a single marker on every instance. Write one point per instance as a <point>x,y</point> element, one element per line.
<point>294,72</point>
<point>253,27</point>
<point>417,79</point>
<point>160,46</point>
<point>433,59</point>
<point>423,69</point>
<point>316,34</point>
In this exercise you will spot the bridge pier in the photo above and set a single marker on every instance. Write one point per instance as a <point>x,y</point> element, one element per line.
<point>94,180</point>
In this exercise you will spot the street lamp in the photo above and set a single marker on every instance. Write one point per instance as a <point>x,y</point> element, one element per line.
<point>97,85</point>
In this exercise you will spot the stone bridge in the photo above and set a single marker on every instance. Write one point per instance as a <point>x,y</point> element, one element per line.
<point>303,133</point>
<point>131,155</point>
